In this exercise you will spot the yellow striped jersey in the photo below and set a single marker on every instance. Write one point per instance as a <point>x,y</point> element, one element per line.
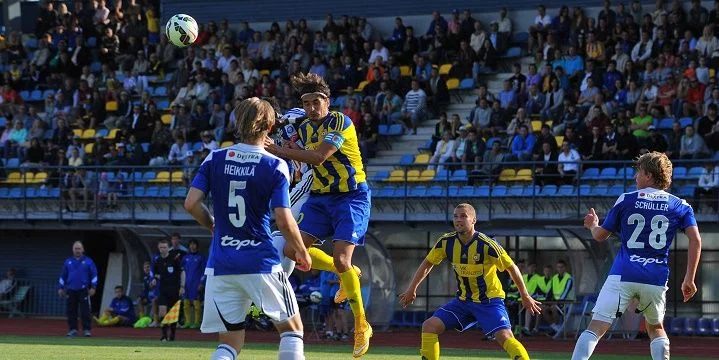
<point>343,171</point>
<point>475,265</point>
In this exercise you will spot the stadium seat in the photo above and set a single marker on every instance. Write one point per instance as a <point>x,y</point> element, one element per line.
<point>226,144</point>
<point>166,119</point>
<point>89,148</point>
<point>427,175</point>
<point>88,134</point>
<point>443,175</point>
<point>92,41</point>
<point>383,129</point>
<point>395,130</point>
<point>162,177</point>
<point>686,191</point>
<point>704,327</point>
<point>677,326</point>
<point>426,147</point>
<point>599,190</point>
<point>13,163</point>
<point>492,140</point>
<point>520,37</point>
<point>145,147</point>
<point>665,124</point>
<point>275,74</point>
<point>615,191</point>
<point>679,173</point>
<point>626,173</point>
<point>36,95</point>
<point>585,190</point>
<point>176,177</point>
<point>112,134</point>
<point>590,174</point>
<point>536,126</point>
<point>690,326</point>
<point>405,71</point>
<point>715,327</point>
<point>25,95</point>
<point>163,105</point>
<point>686,121</point>
<point>4,193</point>
<point>513,52</point>
<point>548,190</point>
<point>524,175</point>
<point>384,192</point>
<point>566,190</point>
<point>507,175</point>
<point>695,172</point>
<point>452,84</point>
<point>406,160</point>
<point>515,191</point>
<point>197,146</point>
<point>379,175</point>
<point>413,175</point>
<point>3,122</point>
<point>149,176</point>
<point>264,72</point>
<point>421,159</point>
<point>111,106</point>
<point>444,69</point>
<point>47,93</point>
<point>14,177</point>
<point>499,191</point>
<point>608,173</point>
<point>96,67</point>
<point>361,86</point>
<point>481,191</point>
<point>77,132</point>
<point>417,191</point>
<point>459,175</point>
<point>152,191</point>
<point>396,176</point>
<point>164,192</point>
<point>179,192</point>
<point>466,191</point>
<point>160,91</point>
<point>559,139</point>
<point>102,133</point>
<point>467,84</point>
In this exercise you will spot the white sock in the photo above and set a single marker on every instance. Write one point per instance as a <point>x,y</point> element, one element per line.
<point>291,346</point>
<point>224,352</point>
<point>659,348</point>
<point>585,345</point>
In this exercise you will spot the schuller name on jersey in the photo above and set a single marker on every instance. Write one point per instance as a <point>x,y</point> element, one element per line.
<point>652,201</point>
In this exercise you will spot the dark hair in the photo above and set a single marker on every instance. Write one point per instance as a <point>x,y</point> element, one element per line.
<point>176,234</point>
<point>309,83</point>
<point>561,262</point>
<point>163,241</point>
<point>119,287</point>
<point>194,241</point>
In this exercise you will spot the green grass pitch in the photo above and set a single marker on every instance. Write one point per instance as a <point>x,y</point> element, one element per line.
<point>42,347</point>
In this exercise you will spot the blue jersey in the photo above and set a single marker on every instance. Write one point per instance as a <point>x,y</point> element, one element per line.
<point>647,221</point>
<point>194,266</point>
<point>246,183</point>
<point>78,274</point>
<point>123,306</point>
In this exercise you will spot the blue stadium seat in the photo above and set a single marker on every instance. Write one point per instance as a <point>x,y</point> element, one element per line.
<point>667,323</point>
<point>465,191</point>
<point>383,129</point>
<point>383,192</point>
<point>566,190</point>
<point>499,191</point>
<point>152,191</point>
<point>13,163</point>
<point>48,92</point>
<point>31,43</point>
<point>695,172</point>
<point>25,95</point>
<point>42,192</point>
<point>91,41</point>
<point>163,104</point>
<point>492,140</point>
<point>520,37</point>
<point>164,192</point>
<point>715,327</point>
<point>15,193</point>
<point>96,67</point>
<point>150,90</point>
<point>664,124</point>
<point>136,176</point>
<point>139,191</point>
<point>379,176</point>
<point>406,159</point>
<point>467,84</point>
<point>55,192</point>
<point>145,147</point>
<point>515,191</point>
<point>481,191</point>
<point>48,134</point>
<point>679,173</point>
<point>3,122</point>
<point>599,190</point>
<point>626,173</point>
<point>197,146</point>
<point>704,327</point>
<point>395,130</point>
<point>608,173</point>
<point>590,174</point>
<point>686,191</point>
<point>615,190</point>
<point>459,175</point>
<point>716,156</point>
<point>690,326</point>
<point>4,193</point>
<point>36,95</point>
<point>110,176</point>
<point>686,121</point>
<point>102,132</point>
<point>30,193</point>
<point>436,191</point>
<point>677,326</point>
<point>548,190</point>
<point>531,190</point>
<point>442,175</point>
<point>399,192</point>
<point>275,74</point>
<point>147,176</point>
<point>585,190</point>
<point>513,52</point>
<point>426,147</point>
<point>417,191</point>
<point>161,91</point>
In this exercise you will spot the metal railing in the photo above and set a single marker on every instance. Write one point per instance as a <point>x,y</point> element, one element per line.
<point>506,190</point>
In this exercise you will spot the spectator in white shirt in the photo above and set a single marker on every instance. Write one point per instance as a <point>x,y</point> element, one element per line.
<point>179,151</point>
<point>224,61</point>
<point>707,189</point>
<point>414,104</point>
<point>568,163</point>
<point>379,50</point>
<point>643,49</point>
<point>445,150</point>
<point>539,29</point>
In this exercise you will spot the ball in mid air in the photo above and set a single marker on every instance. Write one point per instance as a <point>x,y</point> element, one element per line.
<point>181,30</point>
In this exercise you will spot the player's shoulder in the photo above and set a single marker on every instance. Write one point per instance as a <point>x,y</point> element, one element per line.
<point>493,246</point>
<point>441,241</point>
<point>339,121</point>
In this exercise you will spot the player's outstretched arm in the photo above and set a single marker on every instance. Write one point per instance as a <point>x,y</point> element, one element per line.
<point>291,232</point>
<point>528,302</point>
<point>693,254</point>
<point>312,157</point>
<point>410,294</point>
<point>195,205</point>
<point>591,222</point>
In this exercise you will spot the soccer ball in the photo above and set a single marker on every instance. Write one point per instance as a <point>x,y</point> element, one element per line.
<point>316,297</point>
<point>181,30</point>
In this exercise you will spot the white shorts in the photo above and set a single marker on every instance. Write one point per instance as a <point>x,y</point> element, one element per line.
<point>300,193</point>
<point>228,298</point>
<point>616,295</point>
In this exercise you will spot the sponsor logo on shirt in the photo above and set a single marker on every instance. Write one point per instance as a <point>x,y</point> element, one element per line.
<point>243,157</point>
<point>289,133</point>
<point>237,243</point>
<point>657,196</point>
<point>645,261</point>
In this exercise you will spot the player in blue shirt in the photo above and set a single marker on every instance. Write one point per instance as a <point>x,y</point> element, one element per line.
<point>247,183</point>
<point>646,222</point>
<point>192,282</point>
<point>120,312</point>
<point>78,282</point>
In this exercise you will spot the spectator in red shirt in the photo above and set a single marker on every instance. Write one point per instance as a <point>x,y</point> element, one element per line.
<point>695,95</point>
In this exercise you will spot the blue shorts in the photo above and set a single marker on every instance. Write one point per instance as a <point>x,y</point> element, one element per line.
<point>461,315</point>
<point>344,216</point>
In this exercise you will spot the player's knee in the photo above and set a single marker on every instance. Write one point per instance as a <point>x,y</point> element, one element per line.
<point>293,324</point>
<point>433,326</point>
<point>655,330</point>
<point>343,262</point>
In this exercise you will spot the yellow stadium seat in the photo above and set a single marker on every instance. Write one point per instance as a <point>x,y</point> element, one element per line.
<point>14,178</point>
<point>88,134</point>
<point>536,126</point>
<point>89,148</point>
<point>112,134</point>
<point>111,106</point>
<point>396,176</point>
<point>77,132</point>
<point>427,175</point>
<point>361,86</point>
<point>559,139</point>
<point>176,177</point>
<point>549,123</point>
<point>166,119</point>
<point>226,144</point>
<point>264,72</point>
<point>445,69</point>
<point>421,159</point>
<point>507,175</point>
<point>524,175</point>
<point>40,178</point>
<point>413,175</point>
<point>405,71</point>
<point>162,176</point>
<point>452,84</point>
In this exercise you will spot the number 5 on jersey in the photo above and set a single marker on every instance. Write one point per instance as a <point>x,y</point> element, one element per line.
<point>658,236</point>
<point>236,201</point>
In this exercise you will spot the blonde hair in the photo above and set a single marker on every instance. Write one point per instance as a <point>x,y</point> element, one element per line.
<point>658,166</point>
<point>255,117</point>
<point>469,208</point>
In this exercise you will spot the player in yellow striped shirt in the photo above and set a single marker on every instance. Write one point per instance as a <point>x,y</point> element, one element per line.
<point>475,259</point>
